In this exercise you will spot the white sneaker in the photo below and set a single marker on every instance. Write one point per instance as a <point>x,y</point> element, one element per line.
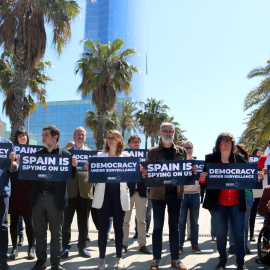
<point>101,266</point>
<point>120,266</point>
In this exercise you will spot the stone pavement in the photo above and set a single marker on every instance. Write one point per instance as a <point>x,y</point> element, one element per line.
<point>136,260</point>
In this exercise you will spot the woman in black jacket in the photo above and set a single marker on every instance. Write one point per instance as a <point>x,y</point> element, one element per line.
<point>226,204</point>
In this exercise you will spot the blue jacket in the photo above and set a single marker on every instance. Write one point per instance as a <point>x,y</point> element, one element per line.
<point>5,174</point>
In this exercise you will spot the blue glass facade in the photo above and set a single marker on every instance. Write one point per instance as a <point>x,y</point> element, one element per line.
<point>110,19</point>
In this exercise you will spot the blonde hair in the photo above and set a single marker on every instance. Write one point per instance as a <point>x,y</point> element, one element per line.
<point>120,145</point>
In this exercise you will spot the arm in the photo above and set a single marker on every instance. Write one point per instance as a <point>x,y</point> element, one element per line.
<point>263,205</point>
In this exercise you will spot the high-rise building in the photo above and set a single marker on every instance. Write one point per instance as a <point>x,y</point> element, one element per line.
<point>107,20</point>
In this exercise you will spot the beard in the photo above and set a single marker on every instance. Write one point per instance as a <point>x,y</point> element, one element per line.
<point>167,140</point>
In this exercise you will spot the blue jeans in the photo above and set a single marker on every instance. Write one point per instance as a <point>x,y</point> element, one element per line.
<point>147,216</point>
<point>4,204</point>
<point>191,202</point>
<point>249,200</point>
<point>236,218</point>
<point>173,204</point>
<point>213,228</point>
<point>20,226</point>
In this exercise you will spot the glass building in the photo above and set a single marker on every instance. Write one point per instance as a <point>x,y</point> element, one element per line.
<point>107,20</point>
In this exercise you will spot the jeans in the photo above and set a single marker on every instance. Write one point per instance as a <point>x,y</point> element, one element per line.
<point>249,200</point>
<point>236,219</point>
<point>191,202</point>
<point>213,228</point>
<point>20,226</point>
<point>4,204</point>
<point>173,204</point>
<point>147,216</point>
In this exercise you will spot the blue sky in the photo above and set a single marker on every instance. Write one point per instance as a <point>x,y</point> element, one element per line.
<point>199,53</point>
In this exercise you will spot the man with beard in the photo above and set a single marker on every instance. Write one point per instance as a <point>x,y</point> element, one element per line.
<point>170,196</point>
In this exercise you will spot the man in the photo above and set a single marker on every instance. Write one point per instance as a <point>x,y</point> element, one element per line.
<point>138,197</point>
<point>191,202</point>
<point>49,199</point>
<point>80,195</point>
<point>170,196</point>
<point>4,203</point>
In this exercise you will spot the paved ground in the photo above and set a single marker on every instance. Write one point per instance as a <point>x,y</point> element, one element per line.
<point>135,260</point>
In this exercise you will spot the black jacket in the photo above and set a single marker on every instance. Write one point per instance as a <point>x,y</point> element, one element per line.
<point>212,195</point>
<point>142,190</point>
<point>60,187</point>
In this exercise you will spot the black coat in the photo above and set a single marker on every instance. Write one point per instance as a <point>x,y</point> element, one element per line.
<point>212,195</point>
<point>142,190</point>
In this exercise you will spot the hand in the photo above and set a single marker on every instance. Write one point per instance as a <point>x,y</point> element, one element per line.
<point>74,162</point>
<point>195,169</point>
<point>268,205</point>
<point>265,171</point>
<point>18,160</point>
<point>13,164</point>
<point>86,166</point>
<point>260,175</point>
<point>144,172</point>
<point>203,176</point>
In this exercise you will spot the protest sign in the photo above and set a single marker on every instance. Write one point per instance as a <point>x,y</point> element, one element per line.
<point>140,153</point>
<point>253,159</point>
<point>169,173</point>
<point>232,176</point>
<point>200,165</point>
<point>82,157</point>
<point>114,170</point>
<point>26,149</point>
<point>49,167</point>
<point>5,150</point>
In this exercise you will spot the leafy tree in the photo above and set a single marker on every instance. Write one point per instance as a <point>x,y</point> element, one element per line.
<point>22,29</point>
<point>105,73</point>
<point>151,118</point>
<point>127,117</point>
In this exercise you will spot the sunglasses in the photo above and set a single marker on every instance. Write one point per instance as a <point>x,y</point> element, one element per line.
<point>188,148</point>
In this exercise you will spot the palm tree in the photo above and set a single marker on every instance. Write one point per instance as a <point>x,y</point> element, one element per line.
<point>127,117</point>
<point>91,122</point>
<point>178,135</point>
<point>105,73</point>
<point>258,128</point>
<point>22,29</point>
<point>151,117</point>
<point>35,84</point>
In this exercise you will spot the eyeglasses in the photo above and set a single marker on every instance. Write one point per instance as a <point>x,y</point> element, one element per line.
<point>188,148</point>
<point>227,140</point>
<point>168,131</point>
<point>135,142</point>
<point>110,138</point>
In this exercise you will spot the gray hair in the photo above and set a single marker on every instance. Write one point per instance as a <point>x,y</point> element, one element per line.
<point>166,124</point>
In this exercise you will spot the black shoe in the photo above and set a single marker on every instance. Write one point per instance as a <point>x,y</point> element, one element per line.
<point>21,239</point>
<point>248,250</point>
<point>84,253</point>
<point>135,236</point>
<point>222,264</point>
<point>14,254</point>
<point>57,266</point>
<point>31,254</point>
<point>40,264</point>
<point>148,235</point>
<point>4,266</point>
<point>241,266</point>
<point>231,249</point>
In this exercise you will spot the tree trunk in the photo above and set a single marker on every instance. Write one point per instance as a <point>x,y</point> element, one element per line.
<point>146,139</point>
<point>101,128</point>
<point>152,141</point>
<point>21,74</point>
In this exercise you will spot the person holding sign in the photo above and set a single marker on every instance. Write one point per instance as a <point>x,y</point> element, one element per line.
<point>19,204</point>
<point>111,199</point>
<point>80,195</point>
<point>226,204</point>
<point>5,172</point>
<point>170,196</point>
<point>49,200</point>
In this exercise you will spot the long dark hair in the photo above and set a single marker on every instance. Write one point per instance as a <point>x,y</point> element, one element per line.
<point>18,133</point>
<point>221,136</point>
<point>243,150</point>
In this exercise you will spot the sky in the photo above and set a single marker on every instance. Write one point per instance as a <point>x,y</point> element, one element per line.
<point>199,55</point>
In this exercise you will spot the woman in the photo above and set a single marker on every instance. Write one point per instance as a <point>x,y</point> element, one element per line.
<point>111,199</point>
<point>226,204</point>
<point>19,205</point>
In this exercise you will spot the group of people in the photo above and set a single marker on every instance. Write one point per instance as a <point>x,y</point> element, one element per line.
<point>53,203</point>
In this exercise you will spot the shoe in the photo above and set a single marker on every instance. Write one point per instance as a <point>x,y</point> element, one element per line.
<point>110,238</point>
<point>252,239</point>
<point>135,236</point>
<point>101,266</point>
<point>65,253</point>
<point>57,266</point>
<point>84,253</point>
<point>155,265</point>
<point>196,250</point>
<point>178,265</point>
<point>124,251</point>
<point>31,254</point>
<point>222,264</point>
<point>265,247</point>
<point>248,250</point>
<point>4,266</point>
<point>231,249</point>
<point>120,266</point>
<point>214,239</point>
<point>40,264</point>
<point>188,238</point>
<point>180,249</point>
<point>14,254</point>
<point>21,239</point>
<point>145,250</point>
<point>241,266</point>
<point>148,235</point>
